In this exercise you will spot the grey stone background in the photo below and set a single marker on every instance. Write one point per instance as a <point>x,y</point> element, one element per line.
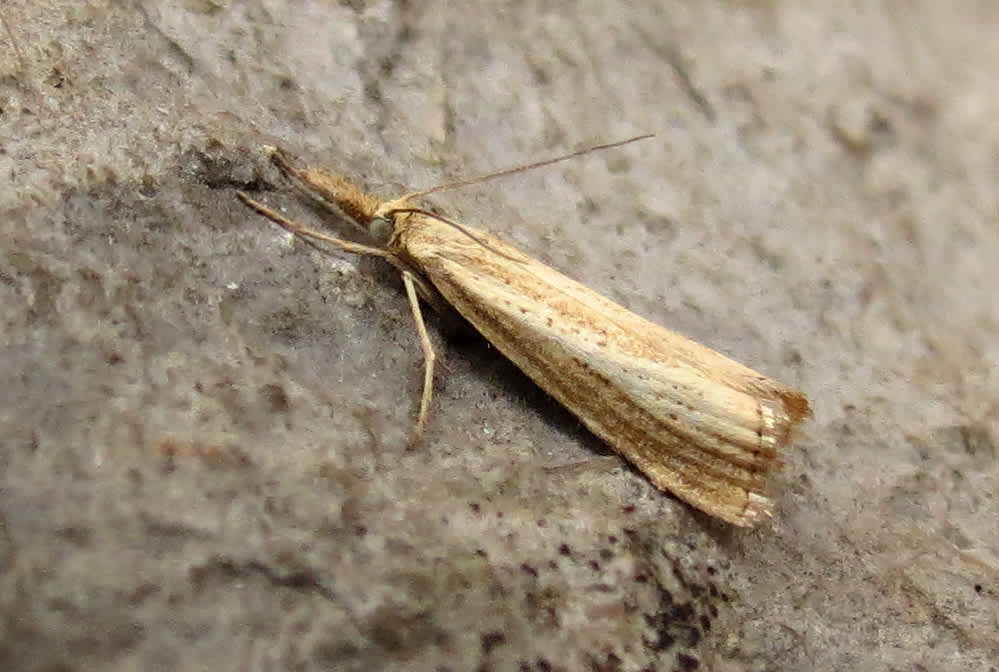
<point>203,424</point>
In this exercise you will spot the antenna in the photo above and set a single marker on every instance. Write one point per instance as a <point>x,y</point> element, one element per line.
<point>529,166</point>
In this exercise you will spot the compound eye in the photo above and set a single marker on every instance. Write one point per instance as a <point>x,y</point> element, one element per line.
<point>380,228</point>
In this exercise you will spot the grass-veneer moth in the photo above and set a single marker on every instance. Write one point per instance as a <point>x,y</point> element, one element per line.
<point>695,422</point>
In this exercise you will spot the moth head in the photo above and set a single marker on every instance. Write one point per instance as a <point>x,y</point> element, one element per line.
<point>381,227</point>
<point>383,223</point>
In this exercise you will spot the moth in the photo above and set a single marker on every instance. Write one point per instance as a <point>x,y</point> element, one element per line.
<point>696,423</point>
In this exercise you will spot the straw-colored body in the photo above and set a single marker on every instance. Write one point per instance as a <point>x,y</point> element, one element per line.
<point>695,422</point>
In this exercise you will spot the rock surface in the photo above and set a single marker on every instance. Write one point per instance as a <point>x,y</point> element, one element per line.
<point>203,425</point>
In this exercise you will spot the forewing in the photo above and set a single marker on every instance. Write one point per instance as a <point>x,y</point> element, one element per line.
<point>697,423</point>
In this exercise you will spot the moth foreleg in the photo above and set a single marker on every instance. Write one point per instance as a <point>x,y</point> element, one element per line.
<point>310,234</point>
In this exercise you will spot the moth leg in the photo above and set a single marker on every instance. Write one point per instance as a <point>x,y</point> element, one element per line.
<point>307,233</point>
<point>429,357</point>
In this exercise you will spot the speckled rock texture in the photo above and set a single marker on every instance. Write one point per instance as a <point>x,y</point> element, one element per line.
<point>203,424</point>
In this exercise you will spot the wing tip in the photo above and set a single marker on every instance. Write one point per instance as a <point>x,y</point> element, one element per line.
<point>758,508</point>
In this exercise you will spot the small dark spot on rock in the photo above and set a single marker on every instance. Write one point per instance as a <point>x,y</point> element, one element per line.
<point>681,612</point>
<point>76,534</point>
<point>527,569</point>
<point>664,641</point>
<point>275,398</point>
<point>142,592</point>
<point>687,663</point>
<point>147,186</point>
<point>564,549</point>
<point>56,78</point>
<point>490,640</point>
